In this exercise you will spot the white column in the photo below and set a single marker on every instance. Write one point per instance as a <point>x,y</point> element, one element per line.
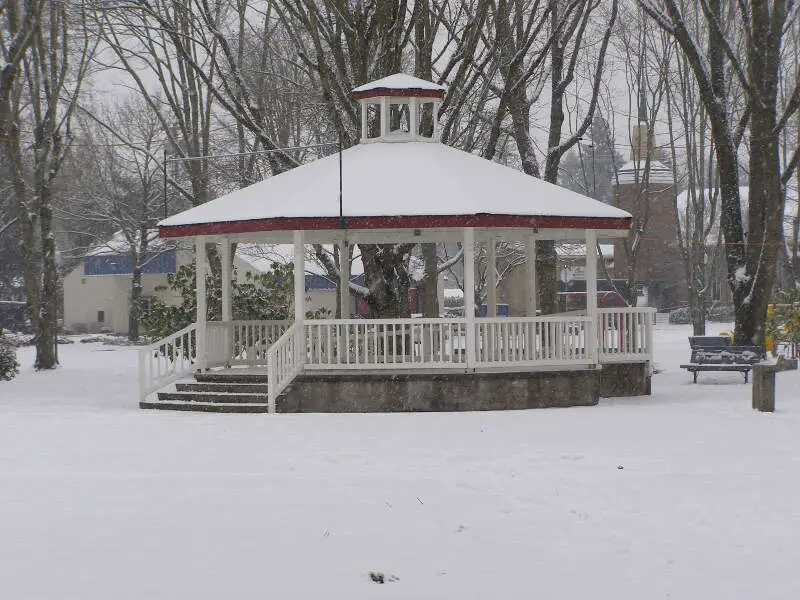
<point>436,120</point>
<point>491,277</point>
<point>591,292</point>
<point>299,278</point>
<point>200,294</point>
<point>384,116</point>
<point>469,294</point>
<point>344,279</point>
<point>530,268</point>
<point>299,298</point>
<point>364,122</point>
<point>225,255</point>
<point>227,306</point>
<point>413,119</point>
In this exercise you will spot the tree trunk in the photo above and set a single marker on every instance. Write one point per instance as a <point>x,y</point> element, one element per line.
<point>136,299</point>
<point>428,291</point>
<point>47,332</point>
<point>428,298</point>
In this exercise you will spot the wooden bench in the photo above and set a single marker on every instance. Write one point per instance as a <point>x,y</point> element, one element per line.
<point>716,353</point>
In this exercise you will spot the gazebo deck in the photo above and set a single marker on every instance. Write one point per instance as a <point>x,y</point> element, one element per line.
<point>330,355</point>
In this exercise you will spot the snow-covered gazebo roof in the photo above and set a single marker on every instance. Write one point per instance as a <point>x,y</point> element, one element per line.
<point>410,185</point>
<point>399,84</point>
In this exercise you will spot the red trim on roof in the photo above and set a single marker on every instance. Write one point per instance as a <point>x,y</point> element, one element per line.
<point>395,222</point>
<point>399,92</point>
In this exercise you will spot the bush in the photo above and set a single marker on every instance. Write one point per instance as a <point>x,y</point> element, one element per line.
<point>680,316</point>
<point>9,366</point>
<point>260,297</point>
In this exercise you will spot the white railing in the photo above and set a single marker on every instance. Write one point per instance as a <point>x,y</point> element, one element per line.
<point>619,335</point>
<point>385,343</point>
<point>285,359</point>
<point>166,360</point>
<point>550,340</point>
<point>625,334</point>
<point>242,342</point>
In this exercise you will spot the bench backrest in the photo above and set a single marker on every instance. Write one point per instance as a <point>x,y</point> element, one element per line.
<point>710,342</point>
<point>730,355</point>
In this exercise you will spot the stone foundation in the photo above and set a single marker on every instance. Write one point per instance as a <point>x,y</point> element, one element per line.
<point>625,379</point>
<point>439,392</point>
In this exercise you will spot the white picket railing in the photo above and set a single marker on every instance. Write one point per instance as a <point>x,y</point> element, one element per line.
<point>168,359</point>
<point>385,343</point>
<point>242,342</point>
<point>549,340</point>
<point>285,359</point>
<point>286,348</point>
<point>625,334</point>
<point>252,339</point>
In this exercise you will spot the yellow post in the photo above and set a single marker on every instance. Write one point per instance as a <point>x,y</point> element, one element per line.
<point>769,340</point>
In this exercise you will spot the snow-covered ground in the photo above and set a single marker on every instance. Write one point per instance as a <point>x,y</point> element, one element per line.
<point>685,494</point>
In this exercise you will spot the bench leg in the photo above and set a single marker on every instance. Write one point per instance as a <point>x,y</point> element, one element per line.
<point>695,376</point>
<point>745,376</point>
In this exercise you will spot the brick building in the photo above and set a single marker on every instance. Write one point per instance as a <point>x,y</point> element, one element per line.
<point>649,194</point>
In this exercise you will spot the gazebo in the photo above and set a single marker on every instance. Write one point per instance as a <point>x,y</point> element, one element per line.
<point>400,184</point>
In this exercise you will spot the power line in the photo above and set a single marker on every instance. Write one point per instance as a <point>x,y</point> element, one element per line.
<point>235,154</point>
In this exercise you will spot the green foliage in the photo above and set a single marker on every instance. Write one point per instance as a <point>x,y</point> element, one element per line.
<point>264,296</point>
<point>9,366</point>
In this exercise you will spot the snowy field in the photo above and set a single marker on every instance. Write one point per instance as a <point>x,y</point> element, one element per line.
<point>688,494</point>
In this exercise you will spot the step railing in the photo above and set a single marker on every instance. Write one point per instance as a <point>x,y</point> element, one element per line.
<point>625,334</point>
<point>166,360</point>
<point>385,343</point>
<point>548,340</point>
<point>285,360</point>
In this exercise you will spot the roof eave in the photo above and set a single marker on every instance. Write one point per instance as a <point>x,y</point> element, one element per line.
<point>399,92</point>
<point>395,222</point>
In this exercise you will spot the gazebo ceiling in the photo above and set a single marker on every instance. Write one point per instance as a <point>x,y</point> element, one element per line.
<point>393,186</point>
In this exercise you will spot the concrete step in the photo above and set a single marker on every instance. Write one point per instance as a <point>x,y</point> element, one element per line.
<point>212,397</point>
<point>215,407</point>
<point>225,388</point>
<point>230,376</point>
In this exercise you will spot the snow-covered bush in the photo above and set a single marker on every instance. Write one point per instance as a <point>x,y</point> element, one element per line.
<point>680,316</point>
<point>9,366</point>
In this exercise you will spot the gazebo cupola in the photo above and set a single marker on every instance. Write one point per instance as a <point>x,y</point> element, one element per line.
<point>399,108</point>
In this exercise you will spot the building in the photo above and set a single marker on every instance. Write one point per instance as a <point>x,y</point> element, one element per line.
<point>645,188</point>
<point>97,292</point>
<point>571,268</point>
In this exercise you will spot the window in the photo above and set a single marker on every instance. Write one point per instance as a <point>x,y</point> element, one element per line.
<point>101,316</point>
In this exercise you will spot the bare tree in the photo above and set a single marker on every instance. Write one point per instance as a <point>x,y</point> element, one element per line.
<point>120,194</point>
<point>760,27</point>
<point>697,223</point>
<point>526,65</point>
<point>19,21</point>
<point>43,102</point>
